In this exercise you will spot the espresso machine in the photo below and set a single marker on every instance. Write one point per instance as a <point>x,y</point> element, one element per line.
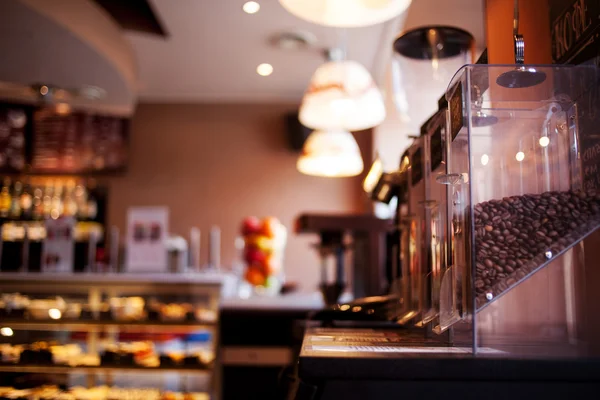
<point>496,292</point>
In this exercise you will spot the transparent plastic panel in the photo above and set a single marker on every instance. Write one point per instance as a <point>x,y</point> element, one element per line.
<point>436,207</point>
<point>527,198</point>
<point>418,236</point>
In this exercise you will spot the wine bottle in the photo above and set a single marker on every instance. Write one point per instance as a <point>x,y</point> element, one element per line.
<point>38,206</point>
<point>15,201</point>
<point>26,202</point>
<point>47,201</point>
<point>5,199</point>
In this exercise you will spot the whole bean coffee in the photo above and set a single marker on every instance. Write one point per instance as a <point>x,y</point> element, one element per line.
<point>516,235</point>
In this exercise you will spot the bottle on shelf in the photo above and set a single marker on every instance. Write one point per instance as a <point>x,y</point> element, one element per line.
<point>57,206</point>
<point>47,200</point>
<point>15,201</point>
<point>26,202</point>
<point>5,199</point>
<point>38,206</point>
<point>69,203</point>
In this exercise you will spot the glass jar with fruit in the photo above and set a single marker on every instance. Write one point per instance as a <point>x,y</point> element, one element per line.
<point>264,245</point>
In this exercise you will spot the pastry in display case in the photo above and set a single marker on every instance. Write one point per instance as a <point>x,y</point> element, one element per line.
<point>109,329</point>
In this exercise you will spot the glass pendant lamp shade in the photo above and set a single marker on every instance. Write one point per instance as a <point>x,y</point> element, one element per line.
<point>346,13</point>
<point>342,95</point>
<point>424,60</point>
<point>333,154</point>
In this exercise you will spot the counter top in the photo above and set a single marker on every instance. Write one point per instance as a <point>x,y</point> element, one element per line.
<point>293,302</point>
<point>206,278</point>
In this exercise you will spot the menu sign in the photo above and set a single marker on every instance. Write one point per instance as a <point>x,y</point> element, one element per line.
<point>78,143</point>
<point>590,163</point>
<point>456,110</point>
<point>575,26</point>
<point>417,166</point>
<point>59,245</point>
<point>147,229</point>
<point>436,148</point>
<point>13,125</point>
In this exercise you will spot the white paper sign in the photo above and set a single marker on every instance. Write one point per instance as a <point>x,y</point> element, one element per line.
<point>59,245</point>
<point>147,230</point>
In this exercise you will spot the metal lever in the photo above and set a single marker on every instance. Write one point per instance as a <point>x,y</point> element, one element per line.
<point>518,38</point>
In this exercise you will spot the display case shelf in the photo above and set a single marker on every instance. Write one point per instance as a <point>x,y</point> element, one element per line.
<point>60,369</point>
<point>82,326</point>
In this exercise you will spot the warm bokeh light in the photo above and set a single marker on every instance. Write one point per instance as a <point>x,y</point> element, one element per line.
<point>54,313</point>
<point>520,156</point>
<point>544,141</point>
<point>485,159</point>
<point>264,69</point>
<point>6,331</point>
<point>251,7</point>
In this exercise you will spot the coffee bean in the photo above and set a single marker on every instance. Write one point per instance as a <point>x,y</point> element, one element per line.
<point>479,283</point>
<point>513,234</point>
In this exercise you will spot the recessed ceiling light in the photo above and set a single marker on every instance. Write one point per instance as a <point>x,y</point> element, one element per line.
<point>264,69</point>
<point>544,141</point>
<point>485,159</point>
<point>251,7</point>
<point>520,156</point>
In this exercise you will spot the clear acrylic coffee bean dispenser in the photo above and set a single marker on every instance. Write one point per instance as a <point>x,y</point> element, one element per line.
<point>523,186</point>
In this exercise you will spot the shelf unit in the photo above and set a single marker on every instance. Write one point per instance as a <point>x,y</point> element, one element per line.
<point>92,289</point>
<point>62,369</point>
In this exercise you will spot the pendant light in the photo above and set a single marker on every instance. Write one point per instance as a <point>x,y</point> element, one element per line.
<point>424,60</point>
<point>332,154</point>
<point>346,13</point>
<point>342,95</point>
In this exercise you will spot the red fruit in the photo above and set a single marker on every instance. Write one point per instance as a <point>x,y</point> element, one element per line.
<point>255,276</point>
<point>253,255</point>
<point>272,265</point>
<point>251,225</point>
<point>269,227</point>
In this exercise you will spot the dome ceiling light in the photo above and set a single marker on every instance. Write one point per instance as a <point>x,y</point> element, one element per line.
<point>342,95</point>
<point>331,154</point>
<point>346,13</point>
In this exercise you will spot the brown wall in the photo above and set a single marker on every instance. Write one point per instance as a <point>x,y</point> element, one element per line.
<point>216,164</point>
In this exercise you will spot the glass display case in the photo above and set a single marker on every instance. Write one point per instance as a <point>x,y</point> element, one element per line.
<point>524,211</point>
<point>94,332</point>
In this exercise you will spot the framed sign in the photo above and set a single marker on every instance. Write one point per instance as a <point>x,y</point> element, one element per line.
<point>59,245</point>
<point>575,29</point>
<point>147,230</point>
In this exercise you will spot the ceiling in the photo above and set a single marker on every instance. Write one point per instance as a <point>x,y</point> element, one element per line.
<point>210,53</point>
<point>214,48</point>
<point>66,43</point>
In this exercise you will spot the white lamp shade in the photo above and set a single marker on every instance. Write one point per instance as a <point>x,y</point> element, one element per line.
<point>342,95</point>
<point>331,154</point>
<point>346,13</point>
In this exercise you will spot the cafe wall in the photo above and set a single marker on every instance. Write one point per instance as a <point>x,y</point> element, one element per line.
<point>216,164</point>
